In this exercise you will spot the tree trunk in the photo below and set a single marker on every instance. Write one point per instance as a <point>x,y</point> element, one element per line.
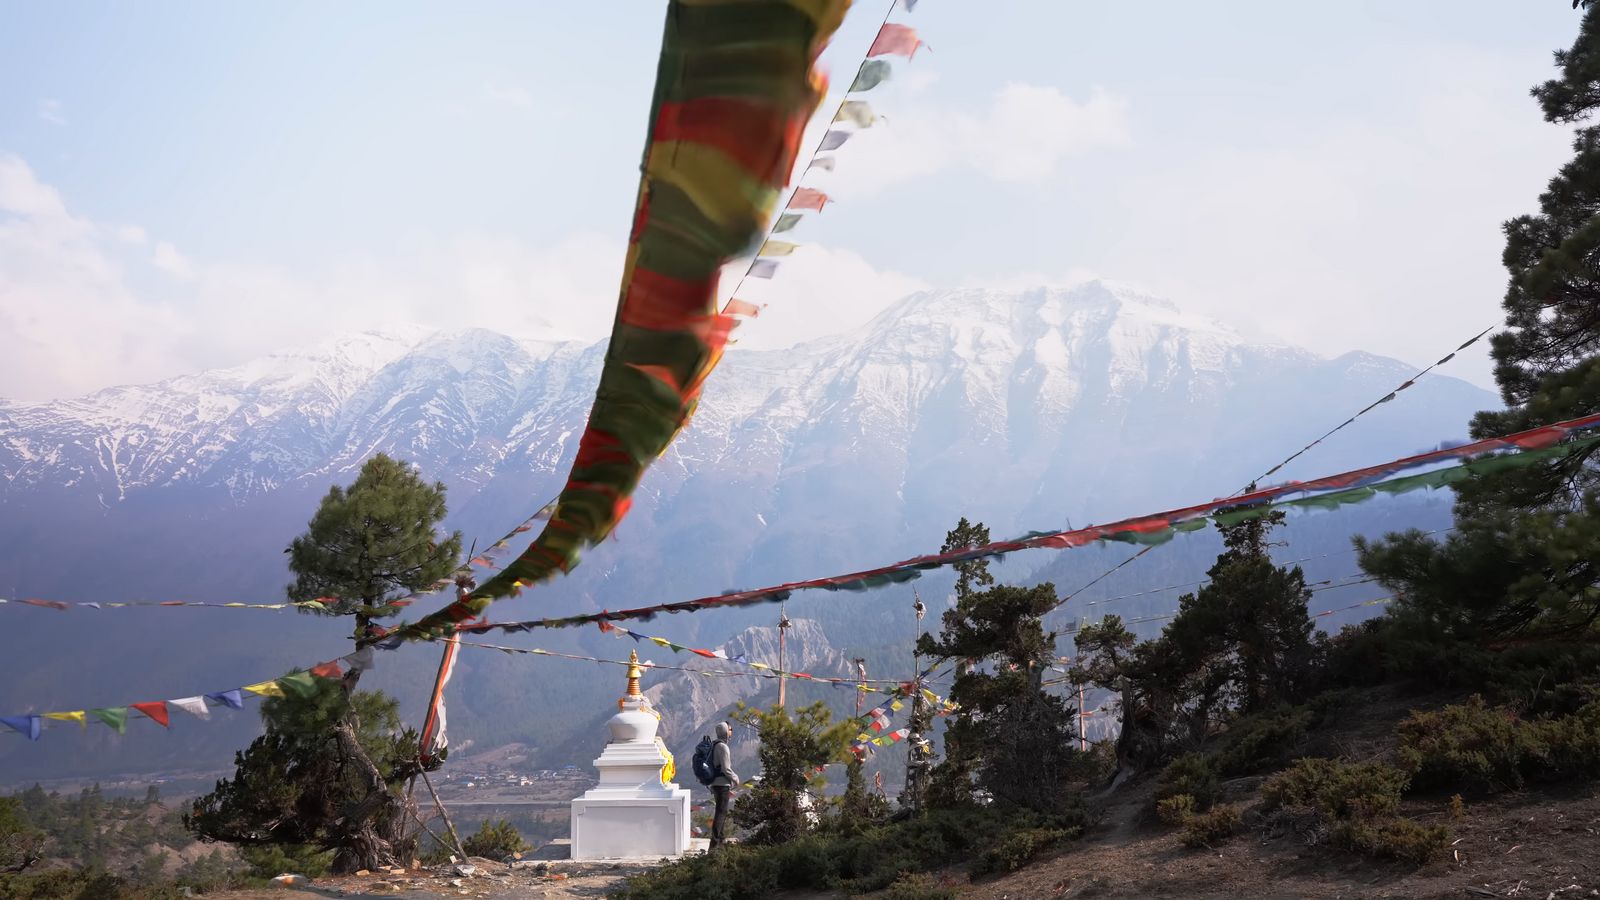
<point>372,828</point>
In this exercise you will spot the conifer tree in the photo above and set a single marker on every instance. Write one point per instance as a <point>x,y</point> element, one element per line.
<point>1011,738</point>
<point>329,770</point>
<point>792,747</point>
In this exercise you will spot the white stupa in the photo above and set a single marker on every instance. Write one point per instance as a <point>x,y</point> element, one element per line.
<point>636,811</point>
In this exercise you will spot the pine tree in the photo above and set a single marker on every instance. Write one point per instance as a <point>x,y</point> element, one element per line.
<point>373,542</point>
<point>1522,556</point>
<point>301,787</point>
<point>328,772</point>
<point>973,573</point>
<point>778,807</point>
<point>1011,738</point>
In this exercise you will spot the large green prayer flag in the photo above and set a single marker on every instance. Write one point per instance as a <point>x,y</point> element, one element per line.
<point>301,684</point>
<point>115,716</point>
<point>786,222</point>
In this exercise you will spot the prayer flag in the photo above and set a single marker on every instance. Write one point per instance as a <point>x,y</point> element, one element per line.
<point>786,222</point>
<point>737,307</point>
<point>194,706</point>
<point>265,689</point>
<point>833,140</point>
<point>896,39</point>
<point>433,738</point>
<point>856,112</point>
<point>156,710</point>
<point>73,716</point>
<point>873,73</point>
<point>778,248</point>
<point>28,725</point>
<point>825,163</point>
<point>763,268</point>
<point>328,669</point>
<point>808,198</point>
<point>231,699</point>
<point>114,716</point>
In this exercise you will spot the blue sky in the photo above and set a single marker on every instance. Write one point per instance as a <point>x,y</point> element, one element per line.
<point>192,184</point>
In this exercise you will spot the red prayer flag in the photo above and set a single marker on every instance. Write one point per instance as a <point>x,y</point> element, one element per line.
<point>706,653</point>
<point>895,39</point>
<point>155,709</point>
<point>737,307</point>
<point>808,198</point>
<point>328,669</point>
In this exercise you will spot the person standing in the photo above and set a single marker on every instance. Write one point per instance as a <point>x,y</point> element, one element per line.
<point>722,782</point>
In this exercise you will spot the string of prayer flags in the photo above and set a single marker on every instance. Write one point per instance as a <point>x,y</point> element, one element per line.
<point>298,683</point>
<point>895,39</point>
<point>1373,405</point>
<point>1514,449</point>
<point>735,85</point>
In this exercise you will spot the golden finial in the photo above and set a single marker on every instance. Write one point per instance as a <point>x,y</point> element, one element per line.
<point>633,674</point>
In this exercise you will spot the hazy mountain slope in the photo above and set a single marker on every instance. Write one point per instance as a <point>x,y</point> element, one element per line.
<point>1024,409</point>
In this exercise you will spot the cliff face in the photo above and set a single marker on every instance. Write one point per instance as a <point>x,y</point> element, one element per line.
<point>691,702</point>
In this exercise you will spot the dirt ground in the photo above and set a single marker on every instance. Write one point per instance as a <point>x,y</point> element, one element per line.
<point>488,880</point>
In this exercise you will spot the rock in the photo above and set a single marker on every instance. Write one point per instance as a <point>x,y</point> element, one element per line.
<point>396,870</point>
<point>467,870</point>
<point>362,873</point>
<point>287,880</point>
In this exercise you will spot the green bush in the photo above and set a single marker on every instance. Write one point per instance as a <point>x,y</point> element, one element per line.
<point>1336,789</point>
<point>495,840</point>
<point>1211,827</point>
<point>1019,848</point>
<point>1175,810</point>
<point>1260,742</point>
<point>1471,744</point>
<point>917,886</point>
<point>1190,774</point>
<point>272,860</point>
<point>855,860</point>
<point>1401,839</point>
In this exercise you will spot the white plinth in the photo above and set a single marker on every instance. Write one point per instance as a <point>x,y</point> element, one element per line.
<point>630,814</point>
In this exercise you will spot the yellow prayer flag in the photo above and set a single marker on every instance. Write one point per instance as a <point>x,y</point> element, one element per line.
<point>74,716</point>
<point>265,689</point>
<point>897,705</point>
<point>777,248</point>
<point>661,641</point>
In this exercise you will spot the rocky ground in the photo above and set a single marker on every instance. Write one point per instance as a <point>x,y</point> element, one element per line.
<point>476,878</point>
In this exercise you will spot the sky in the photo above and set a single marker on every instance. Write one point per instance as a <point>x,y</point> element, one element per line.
<point>186,185</point>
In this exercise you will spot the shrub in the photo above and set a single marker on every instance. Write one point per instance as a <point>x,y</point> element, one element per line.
<point>1189,774</point>
<point>1175,810</point>
<point>1336,789</point>
<point>1401,839</point>
<point>495,840</point>
<point>1211,827</point>
<point>1260,742</point>
<point>272,860</point>
<point>917,886</point>
<point>1018,848</point>
<point>1469,744</point>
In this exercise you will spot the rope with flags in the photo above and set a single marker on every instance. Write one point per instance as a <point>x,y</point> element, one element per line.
<point>1330,492</point>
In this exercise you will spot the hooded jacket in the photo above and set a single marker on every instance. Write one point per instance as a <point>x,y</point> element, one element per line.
<point>722,758</point>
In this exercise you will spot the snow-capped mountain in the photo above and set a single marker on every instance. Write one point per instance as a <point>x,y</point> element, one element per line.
<point>1021,408</point>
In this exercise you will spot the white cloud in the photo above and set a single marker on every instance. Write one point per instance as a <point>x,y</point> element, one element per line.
<point>50,111</point>
<point>68,321</point>
<point>1022,135</point>
<point>130,234</point>
<point>167,258</point>
<point>818,291</point>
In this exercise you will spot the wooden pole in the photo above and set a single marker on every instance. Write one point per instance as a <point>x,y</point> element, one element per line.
<point>447,823</point>
<point>783,680</point>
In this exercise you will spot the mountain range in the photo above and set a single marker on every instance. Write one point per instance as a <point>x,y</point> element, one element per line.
<point>1020,408</point>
